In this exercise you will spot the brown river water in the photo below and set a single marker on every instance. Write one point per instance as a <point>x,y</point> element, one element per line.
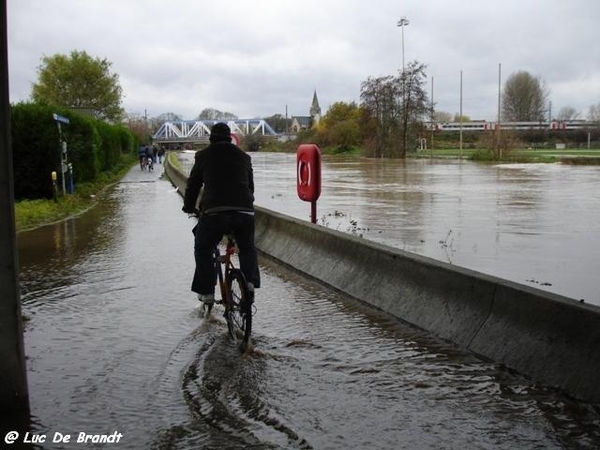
<point>115,341</point>
<point>536,224</point>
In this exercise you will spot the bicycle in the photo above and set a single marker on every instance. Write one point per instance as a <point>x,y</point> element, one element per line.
<point>234,295</point>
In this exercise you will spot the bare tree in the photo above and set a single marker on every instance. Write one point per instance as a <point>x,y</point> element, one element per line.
<point>215,114</point>
<point>567,113</point>
<point>594,113</point>
<point>414,104</point>
<point>524,98</point>
<point>394,109</point>
<point>168,117</point>
<point>380,99</point>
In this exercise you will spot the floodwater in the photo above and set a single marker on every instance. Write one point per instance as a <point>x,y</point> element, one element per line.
<point>115,343</point>
<point>535,224</point>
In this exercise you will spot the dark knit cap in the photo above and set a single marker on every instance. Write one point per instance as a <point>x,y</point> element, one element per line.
<point>220,132</point>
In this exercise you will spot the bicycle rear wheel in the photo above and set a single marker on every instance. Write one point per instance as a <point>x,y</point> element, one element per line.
<point>239,310</point>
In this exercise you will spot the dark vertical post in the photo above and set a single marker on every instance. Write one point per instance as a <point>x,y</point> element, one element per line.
<point>13,378</point>
<point>499,110</point>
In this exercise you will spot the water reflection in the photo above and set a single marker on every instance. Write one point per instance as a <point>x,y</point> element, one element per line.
<point>535,224</point>
<point>115,343</point>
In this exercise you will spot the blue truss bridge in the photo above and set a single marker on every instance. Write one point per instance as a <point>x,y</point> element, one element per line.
<point>199,130</point>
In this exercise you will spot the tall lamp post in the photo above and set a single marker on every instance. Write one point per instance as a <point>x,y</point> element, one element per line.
<point>402,23</point>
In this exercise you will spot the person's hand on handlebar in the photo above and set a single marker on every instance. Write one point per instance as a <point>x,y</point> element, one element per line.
<point>190,211</point>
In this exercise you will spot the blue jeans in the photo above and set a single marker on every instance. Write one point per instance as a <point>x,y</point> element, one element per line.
<point>208,232</point>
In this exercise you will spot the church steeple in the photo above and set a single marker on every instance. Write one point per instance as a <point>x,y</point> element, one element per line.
<point>315,109</point>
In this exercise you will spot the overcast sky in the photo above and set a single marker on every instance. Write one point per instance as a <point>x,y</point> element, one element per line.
<point>255,57</point>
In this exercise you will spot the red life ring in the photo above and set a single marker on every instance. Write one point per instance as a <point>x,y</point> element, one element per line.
<point>308,172</point>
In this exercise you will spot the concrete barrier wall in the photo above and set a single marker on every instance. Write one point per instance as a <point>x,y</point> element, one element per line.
<point>550,338</point>
<point>177,177</point>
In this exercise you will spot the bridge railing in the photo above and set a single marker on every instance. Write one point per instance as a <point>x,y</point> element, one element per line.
<point>199,130</point>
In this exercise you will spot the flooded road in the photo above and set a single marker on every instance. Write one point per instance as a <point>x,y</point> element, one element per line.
<point>115,343</point>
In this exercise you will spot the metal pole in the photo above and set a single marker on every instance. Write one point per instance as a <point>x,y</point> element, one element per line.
<point>402,27</point>
<point>499,103</point>
<point>432,117</point>
<point>62,159</point>
<point>13,376</point>
<point>461,116</point>
<point>402,23</point>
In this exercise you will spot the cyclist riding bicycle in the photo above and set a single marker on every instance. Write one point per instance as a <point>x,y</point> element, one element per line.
<point>226,206</point>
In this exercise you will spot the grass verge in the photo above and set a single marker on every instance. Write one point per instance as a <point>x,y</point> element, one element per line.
<point>31,214</point>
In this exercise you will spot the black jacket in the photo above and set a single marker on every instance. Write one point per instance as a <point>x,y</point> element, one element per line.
<point>225,172</point>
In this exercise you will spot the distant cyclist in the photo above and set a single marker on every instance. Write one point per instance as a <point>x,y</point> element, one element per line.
<point>226,206</point>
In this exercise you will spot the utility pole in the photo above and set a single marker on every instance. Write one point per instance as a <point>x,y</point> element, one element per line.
<point>402,23</point>
<point>13,376</point>
<point>432,117</point>
<point>461,117</point>
<point>499,103</point>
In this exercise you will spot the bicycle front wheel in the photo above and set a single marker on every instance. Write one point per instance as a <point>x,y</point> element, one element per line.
<point>239,309</point>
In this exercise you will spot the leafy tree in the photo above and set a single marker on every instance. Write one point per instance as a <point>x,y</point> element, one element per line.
<point>458,117</point>
<point>524,98</point>
<point>80,82</point>
<point>340,126</point>
<point>442,117</point>
<point>278,123</point>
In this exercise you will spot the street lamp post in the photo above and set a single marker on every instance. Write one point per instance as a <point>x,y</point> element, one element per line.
<point>402,23</point>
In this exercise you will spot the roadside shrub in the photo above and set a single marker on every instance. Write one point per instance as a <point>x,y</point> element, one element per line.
<point>92,147</point>
<point>500,149</point>
<point>109,150</point>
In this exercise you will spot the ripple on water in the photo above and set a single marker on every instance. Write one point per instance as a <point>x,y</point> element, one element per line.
<point>120,346</point>
<point>329,373</point>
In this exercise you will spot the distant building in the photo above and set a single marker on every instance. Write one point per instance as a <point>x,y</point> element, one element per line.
<point>300,123</point>
<point>315,110</point>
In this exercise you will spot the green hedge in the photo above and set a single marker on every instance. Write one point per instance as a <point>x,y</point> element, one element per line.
<point>35,147</point>
<point>93,147</point>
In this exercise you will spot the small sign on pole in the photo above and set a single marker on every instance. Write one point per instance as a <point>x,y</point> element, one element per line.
<point>63,147</point>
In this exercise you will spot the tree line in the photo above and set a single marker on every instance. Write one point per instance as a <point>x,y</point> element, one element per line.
<point>388,122</point>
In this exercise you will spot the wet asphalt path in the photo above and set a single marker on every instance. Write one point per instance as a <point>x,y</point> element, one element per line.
<point>115,342</point>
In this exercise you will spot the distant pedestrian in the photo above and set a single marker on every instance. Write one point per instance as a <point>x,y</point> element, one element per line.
<point>149,158</point>
<point>142,155</point>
